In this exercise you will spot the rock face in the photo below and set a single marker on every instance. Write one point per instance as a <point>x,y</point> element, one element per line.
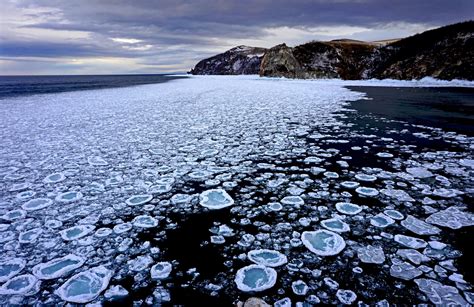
<point>280,61</point>
<point>241,60</point>
<point>443,53</point>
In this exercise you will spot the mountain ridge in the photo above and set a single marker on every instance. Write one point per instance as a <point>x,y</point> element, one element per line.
<point>444,53</point>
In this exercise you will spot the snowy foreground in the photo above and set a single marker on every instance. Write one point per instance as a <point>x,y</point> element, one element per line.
<point>93,182</point>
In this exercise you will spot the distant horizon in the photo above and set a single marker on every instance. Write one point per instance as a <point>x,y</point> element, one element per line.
<point>50,37</point>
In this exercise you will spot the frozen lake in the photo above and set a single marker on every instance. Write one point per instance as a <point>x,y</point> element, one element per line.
<point>218,189</point>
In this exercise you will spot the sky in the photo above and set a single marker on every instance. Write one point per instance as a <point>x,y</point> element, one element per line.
<point>57,37</point>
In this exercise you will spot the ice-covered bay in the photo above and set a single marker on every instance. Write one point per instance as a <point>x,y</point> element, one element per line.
<point>110,175</point>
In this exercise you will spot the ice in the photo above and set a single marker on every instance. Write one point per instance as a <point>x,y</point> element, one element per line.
<point>398,195</point>
<point>29,236</point>
<point>292,200</point>
<point>103,232</point>
<point>85,286</point>
<point>410,242</point>
<point>140,263</point>
<point>76,232</point>
<point>215,199</point>
<point>123,227</point>
<point>467,162</point>
<point>115,293</point>
<point>10,268</point>
<point>371,254</point>
<point>255,278</point>
<point>404,270</point>
<point>217,240</point>
<point>365,177</point>
<point>299,287</point>
<point>413,255</point>
<point>25,195</point>
<point>348,208</point>
<point>140,199</point>
<point>335,224</point>
<point>440,294</point>
<point>367,191</point>
<point>37,204</point>
<point>68,197</point>
<point>384,155</point>
<point>16,214</point>
<point>346,297</point>
<point>54,178</point>
<point>284,302</point>
<point>144,221</point>
<point>381,220</point>
<point>161,270</point>
<point>452,218</point>
<point>267,257</point>
<point>419,172</point>
<point>323,242</point>
<point>19,186</point>
<point>57,267</point>
<point>97,161</point>
<point>419,227</point>
<point>22,284</point>
<point>394,214</point>
<point>350,184</point>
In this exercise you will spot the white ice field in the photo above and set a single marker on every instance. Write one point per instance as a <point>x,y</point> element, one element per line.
<point>82,174</point>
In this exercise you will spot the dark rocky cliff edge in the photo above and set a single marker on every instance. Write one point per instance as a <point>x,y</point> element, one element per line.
<point>443,53</point>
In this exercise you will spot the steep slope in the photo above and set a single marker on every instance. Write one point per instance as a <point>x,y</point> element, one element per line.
<point>444,53</point>
<point>236,61</point>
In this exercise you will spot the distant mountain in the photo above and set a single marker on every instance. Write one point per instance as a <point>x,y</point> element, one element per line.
<point>241,60</point>
<point>444,53</point>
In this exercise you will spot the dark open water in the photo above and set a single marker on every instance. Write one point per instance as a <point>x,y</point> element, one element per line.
<point>11,86</point>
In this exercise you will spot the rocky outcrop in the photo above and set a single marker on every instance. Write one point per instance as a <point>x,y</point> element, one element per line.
<point>443,53</point>
<point>241,60</point>
<point>280,61</point>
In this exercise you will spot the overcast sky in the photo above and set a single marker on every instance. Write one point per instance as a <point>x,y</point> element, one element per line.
<point>160,36</point>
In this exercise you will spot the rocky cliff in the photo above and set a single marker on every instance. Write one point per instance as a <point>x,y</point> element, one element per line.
<point>444,53</point>
<point>241,60</point>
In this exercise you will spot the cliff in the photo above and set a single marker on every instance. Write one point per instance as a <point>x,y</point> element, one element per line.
<point>241,60</point>
<point>443,53</point>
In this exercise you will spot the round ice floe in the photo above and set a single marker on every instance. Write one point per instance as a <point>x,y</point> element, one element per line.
<point>323,242</point>
<point>394,214</point>
<point>350,184</point>
<point>371,254</point>
<point>335,224</point>
<point>76,232</point>
<point>274,207</point>
<point>103,232</point>
<point>53,224</point>
<point>57,267</point>
<point>25,195</point>
<point>54,178</point>
<point>299,287</point>
<point>29,236</point>
<point>381,220</point>
<point>68,197</point>
<point>346,297</point>
<point>159,188</point>
<point>365,177</point>
<point>145,221</point>
<point>292,200</point>
<point>384,155</point>
<point>10,268</point>
<point>20,285</point>
<point>215,199</point>
<point>97,161</point>
<point>114,180</point>
<point>419,172</point>
<point>267,257</point>
<point>348,208</point>
<point>37,204</point>
<point>367,191</point>
<point>141,199</point>
<point>467,162</point>
<point>121,228</point>
<point>14,215</point>
<point>410,242</point>
<point>19,186</point>
<point>180,198</point>
<point>161,270</point>
<point>140,263</point>
<point>332,175</point>
<point>85,286</point>
<point>255,278</point>
<point>6,236</point>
